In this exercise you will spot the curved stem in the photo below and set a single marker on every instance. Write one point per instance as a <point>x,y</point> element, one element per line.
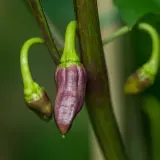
<point>69,53</point>
<point>116,34</point>
<point>144,76</point>
<point>26,74</point>
<point>152,64</point>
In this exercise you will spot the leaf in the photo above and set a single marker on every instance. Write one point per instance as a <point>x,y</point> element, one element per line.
<point>132,10</point>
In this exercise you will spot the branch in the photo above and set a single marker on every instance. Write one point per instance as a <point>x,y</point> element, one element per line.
<point>121,31</point>
<point>59,40</point>
<point>41,18</point>
<point>97,92</point>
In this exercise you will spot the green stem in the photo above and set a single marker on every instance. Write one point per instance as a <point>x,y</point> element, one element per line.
<point>152,65</point>
<point>116,34</point>
<point>149,70</point>
<point>98,99</point>
<point>155,131</point>
<point>152,108</point>
<point>38,11</point>
<point>30,86</point>
<point>69,53</point>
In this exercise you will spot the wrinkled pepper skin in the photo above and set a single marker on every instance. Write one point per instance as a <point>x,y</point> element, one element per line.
<point>138,81</point>
<point>71,84</point>
<point>42,107</point>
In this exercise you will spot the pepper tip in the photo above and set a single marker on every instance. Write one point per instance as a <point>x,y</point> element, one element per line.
<point>63,136</point>
<point>63,129</point>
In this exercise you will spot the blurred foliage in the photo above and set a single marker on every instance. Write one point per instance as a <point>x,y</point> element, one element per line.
<point>132,10</point>
<point>151,106</point>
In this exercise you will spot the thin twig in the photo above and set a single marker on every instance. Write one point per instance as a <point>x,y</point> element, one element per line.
<point>59,40</point>
<point>121,31</point>
<point>39,13</point>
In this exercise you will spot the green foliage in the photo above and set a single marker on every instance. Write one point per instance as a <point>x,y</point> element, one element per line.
<point>132,10</point>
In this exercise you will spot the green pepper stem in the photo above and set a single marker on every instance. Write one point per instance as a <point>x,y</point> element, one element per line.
<point>120,32</point>
<point>69,53</point>
<point>152,65</point>
<point>25,71</point>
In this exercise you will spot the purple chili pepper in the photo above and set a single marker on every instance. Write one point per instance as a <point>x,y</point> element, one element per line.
<point>71,85</point>
<point>71,79</point>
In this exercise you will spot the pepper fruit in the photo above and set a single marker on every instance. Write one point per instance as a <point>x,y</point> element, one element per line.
<point>139,81</point>
<point>71,79</point>
<point>144,77</point>
<point>35,96</point>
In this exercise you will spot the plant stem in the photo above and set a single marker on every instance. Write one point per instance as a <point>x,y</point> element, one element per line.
<point>153,64</point>
<point>98,99</point>
<point>144,76</point>
<point>116,34</point>
<point>69,52</point>
<point>152,108</point>
<point>154,60</point>
<point>58,38</point>
<point>41,19</point>
<point>31,89</point>
<point>26,74</point>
